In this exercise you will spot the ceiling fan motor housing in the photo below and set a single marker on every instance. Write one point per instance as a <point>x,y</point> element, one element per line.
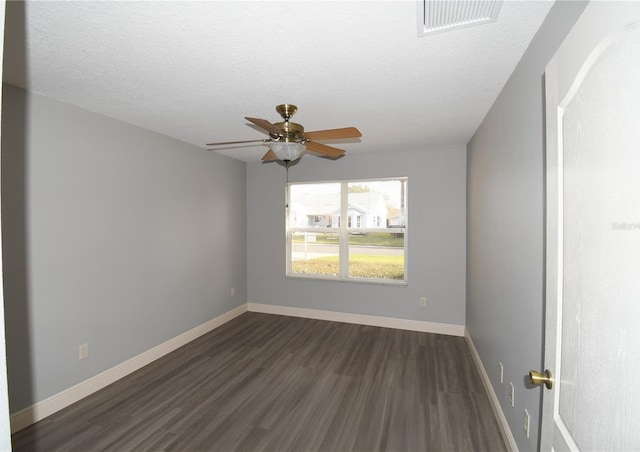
<point>291,132</point>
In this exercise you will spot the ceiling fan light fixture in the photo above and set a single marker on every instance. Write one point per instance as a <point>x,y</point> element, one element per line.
<point>286,150</point>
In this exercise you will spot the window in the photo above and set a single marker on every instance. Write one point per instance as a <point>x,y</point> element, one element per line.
<point>370,246</point>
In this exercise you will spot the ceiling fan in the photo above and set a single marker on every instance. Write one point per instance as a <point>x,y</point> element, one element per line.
<point>288,140</point>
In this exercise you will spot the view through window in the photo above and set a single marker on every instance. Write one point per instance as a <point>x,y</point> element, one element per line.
<point>348,230</point>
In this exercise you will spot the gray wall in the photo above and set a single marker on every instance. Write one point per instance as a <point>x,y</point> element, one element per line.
<point>5,430</point>
<point>436,254</point>
<point>505,225</point>
<point>113,236</point>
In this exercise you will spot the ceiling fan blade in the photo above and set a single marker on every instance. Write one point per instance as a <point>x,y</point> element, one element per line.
<point>323,149</point>
<point>266,125</point>
<point>220,143</point>
<point>346,132</point>
<point>269,156</point>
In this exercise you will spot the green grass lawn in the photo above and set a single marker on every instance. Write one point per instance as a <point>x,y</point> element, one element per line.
<point>360,266</point>
<point>370,239</point>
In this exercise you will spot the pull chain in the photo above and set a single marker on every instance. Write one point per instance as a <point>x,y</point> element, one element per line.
<point>286,166</point>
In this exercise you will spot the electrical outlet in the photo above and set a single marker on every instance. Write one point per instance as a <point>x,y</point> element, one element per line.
<point>233,291</point>
<point>512,394</point>
<point>501,372</point>
<point>423,301</point>
<point>527,421</point>
<point>83,351</point>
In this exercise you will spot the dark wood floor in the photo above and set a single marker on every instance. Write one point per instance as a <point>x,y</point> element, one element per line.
<point>266,382</point>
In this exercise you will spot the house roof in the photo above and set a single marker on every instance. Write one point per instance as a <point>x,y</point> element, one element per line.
<point>329,203</point>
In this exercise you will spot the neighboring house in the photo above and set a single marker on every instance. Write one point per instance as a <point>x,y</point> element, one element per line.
<point>397,218</point>
<point>322,210</point>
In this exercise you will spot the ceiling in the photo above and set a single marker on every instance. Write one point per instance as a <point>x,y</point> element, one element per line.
<point>194,70</point>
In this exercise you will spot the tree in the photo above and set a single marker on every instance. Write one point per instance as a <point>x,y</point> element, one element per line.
<point>359,189</point>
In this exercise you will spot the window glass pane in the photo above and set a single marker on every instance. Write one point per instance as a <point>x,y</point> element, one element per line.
<point>378,255</point>
<point>314,205</point>
<point>348,229</point>
<point>315,253</point>
<point>377,204</point>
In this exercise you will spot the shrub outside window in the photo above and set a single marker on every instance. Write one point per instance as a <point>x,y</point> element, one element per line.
<point>369,246</point>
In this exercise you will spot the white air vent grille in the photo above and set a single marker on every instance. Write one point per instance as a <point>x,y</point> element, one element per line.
<point>435,16</point>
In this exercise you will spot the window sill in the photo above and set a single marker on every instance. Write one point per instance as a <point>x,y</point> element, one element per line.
<point>384,282</point>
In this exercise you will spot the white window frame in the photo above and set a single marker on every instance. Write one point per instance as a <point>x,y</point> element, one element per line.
<point>343,231</point>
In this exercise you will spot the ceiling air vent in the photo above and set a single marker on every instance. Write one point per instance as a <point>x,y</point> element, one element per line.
<point>435,16</point>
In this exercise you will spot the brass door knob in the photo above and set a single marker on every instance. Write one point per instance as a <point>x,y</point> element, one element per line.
<point>537,378</point>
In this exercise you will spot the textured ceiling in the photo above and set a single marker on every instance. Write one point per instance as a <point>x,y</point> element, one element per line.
<point>194,70</point>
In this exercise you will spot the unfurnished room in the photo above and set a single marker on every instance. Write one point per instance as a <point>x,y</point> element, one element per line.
<point>404,225</point>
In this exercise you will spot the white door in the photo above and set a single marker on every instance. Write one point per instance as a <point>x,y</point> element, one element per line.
<point>592,334</point>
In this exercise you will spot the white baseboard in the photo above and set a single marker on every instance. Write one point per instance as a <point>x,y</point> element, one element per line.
<point>360,319</point>
<point>63,399</point>
<point>493,398</point>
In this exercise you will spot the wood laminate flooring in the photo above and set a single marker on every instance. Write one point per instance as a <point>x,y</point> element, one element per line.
<point>273,383</point>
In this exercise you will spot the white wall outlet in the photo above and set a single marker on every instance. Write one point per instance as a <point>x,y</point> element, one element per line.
<point>423,301</point>
<point>527,422</point>
<point>83,351</point>
<point>233,291</point>
<point>501,372</point>
<point>512,394</point>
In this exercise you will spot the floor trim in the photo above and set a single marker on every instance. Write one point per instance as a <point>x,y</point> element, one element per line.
<point>63,399</point>
<point>493,398</point>
<point>360,319</point>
